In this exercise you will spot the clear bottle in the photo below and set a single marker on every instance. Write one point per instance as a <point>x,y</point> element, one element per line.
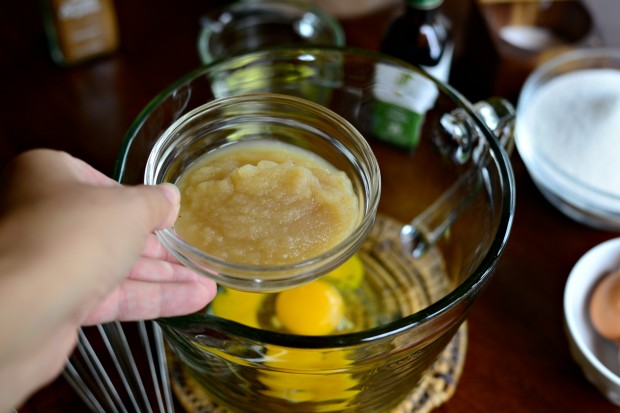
<point>421,36</point>
<point>78,30</point>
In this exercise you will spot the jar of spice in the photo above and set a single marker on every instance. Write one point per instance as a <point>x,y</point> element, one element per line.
<point>78,30</point>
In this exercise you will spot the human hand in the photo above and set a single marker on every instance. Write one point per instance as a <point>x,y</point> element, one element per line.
<point>77,248</point>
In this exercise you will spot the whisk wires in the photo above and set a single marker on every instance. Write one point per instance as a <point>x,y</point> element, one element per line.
<point>136,376</point>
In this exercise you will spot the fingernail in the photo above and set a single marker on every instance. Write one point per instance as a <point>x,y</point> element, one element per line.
<point>171,192</point>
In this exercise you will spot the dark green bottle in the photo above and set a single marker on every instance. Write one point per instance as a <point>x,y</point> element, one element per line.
<point>421,36</point>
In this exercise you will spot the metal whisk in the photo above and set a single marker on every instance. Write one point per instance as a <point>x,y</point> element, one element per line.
<point>138,380</point>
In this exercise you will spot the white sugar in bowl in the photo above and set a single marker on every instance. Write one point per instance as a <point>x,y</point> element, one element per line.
<point>568,134</point>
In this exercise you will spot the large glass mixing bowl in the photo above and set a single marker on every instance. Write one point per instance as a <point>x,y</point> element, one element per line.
<point>447,204</point>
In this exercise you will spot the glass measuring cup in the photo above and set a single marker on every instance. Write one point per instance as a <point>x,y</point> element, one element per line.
<point>426,138</point>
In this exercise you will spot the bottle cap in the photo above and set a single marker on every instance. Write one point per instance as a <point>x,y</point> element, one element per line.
<point>425,4</point>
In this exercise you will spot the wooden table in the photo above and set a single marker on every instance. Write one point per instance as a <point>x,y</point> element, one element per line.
<point>518,358</point>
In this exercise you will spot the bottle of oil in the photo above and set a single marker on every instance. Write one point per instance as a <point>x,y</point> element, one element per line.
<point>78,30</point>
<point>419,36</point>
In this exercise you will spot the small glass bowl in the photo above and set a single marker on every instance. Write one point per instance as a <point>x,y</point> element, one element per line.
<point>249,25</point>
<point>259,117</point>
<point>569,192</point>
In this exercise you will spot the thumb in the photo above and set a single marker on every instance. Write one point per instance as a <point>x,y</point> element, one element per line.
<point>158,204</point>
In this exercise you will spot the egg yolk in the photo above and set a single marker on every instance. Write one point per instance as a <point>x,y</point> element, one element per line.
<point>347,276</point>
<point>313,309</point>
<point>239,306</point>
<point>301,375</point>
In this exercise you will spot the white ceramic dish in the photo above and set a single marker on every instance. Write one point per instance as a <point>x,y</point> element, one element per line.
<point>597,357</point>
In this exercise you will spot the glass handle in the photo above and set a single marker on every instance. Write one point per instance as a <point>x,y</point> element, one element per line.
<point>424,230</point>
<point>428,227</point>
<point>499,115</point>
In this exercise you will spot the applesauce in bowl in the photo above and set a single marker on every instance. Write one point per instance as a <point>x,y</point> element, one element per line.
<point>275,190</point>
<point>265,203</point>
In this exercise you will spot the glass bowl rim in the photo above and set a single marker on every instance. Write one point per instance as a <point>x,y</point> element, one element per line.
<point>475,280</point>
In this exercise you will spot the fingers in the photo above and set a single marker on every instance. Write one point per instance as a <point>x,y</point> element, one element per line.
<point>156,270</point>
<point>108,228</point>
<point>154,249</point>
<point>44,172</point>
<point>139,300</point>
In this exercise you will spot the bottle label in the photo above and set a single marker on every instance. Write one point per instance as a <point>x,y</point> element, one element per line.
<point>76,9</point>
<point>402,98</point>
<point>82,29</point>
<point>396,124</point>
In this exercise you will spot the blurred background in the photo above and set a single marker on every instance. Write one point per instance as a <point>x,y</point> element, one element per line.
<point>518,358</point>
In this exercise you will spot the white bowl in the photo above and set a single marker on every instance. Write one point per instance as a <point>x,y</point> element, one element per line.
<point>597,357</point>
<point>567,115</point>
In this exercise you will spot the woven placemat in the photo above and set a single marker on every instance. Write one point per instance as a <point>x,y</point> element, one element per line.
<point>435,388</point>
